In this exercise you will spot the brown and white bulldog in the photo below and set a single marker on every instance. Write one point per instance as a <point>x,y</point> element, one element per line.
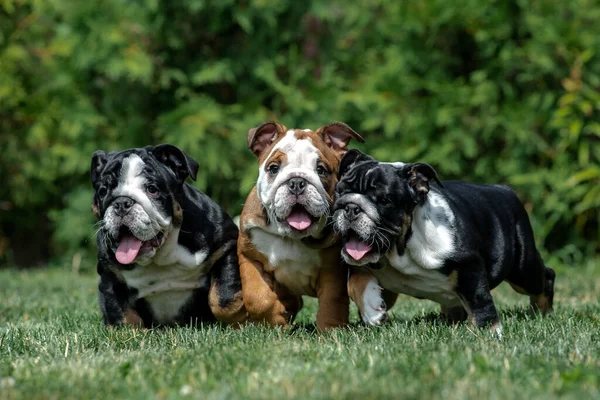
<point>286,246</point>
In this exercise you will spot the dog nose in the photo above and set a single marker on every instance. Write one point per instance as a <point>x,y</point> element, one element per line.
<point>352,211</point>
<point>122,205</point>
<point>296,185</point>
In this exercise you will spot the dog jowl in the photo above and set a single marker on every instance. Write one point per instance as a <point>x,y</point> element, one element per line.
<point>166,252</point>
<point>450,242</point>
<point>286,247</point>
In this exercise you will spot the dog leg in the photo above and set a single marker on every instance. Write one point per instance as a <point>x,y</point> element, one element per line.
<point>474,291</point>
<point>454,314</point>
<point>113,296</point>
<point>365,291</point>
<point>225,296</point>
<point>260,300</point>
<point>292,303</point>
<point>543,302</point>
<point>539,290</point>
<point>131,317</point>
<point>334,304</point>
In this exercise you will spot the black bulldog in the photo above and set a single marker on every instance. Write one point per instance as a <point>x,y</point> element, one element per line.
<point>166,252</point>
<point>451,243</point>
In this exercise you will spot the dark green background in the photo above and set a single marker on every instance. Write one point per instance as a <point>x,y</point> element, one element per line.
<point>489,91</point>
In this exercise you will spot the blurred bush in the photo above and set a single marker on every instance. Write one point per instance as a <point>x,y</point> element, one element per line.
<point>498,91</point>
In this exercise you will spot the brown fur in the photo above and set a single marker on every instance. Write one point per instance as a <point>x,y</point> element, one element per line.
<point>177,214</point>
<point>233,314</point>
<point>95,210</point>
<point>266,300</point>
<point>541,303</point>
<point>130,317</point>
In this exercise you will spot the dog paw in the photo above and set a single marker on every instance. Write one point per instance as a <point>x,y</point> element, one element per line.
<point>496,331</point>
<point>374,310</point>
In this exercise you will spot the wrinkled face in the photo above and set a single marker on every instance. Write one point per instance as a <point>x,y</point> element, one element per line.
<point>296,180</point>
<point>372,210</point>
<point>134,200</point>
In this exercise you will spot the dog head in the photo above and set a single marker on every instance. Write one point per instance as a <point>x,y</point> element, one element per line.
<point>298,173</point>
<point>374,202</point>
<point>136,197</point>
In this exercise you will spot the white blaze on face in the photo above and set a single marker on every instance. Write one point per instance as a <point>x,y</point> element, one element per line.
<point>144,219</point>
<point>132,183</point>
<point>301,161</point>
<point>297,158</point>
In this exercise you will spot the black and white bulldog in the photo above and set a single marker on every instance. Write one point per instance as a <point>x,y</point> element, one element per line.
<point>166,252</point>
<point>451,243</point>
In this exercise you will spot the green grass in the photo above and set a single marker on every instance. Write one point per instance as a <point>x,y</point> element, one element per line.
<point>53,345</point>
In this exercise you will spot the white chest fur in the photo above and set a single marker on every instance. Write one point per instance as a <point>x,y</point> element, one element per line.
<point>166,288</point>
<point>404,275</point>
<point>169,279</point>
<point>416,271</point>
<point>292,263</point>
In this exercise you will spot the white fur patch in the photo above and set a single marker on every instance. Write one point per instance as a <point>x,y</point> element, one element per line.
<point>168,280</point>
<point>432,241</point>
<point>171,253</point>
<point>132,184</point>
<point>397,164</point>
<point>404,275</point>
<point>293,264</point>
<point>167,289</point>
<point>364,203</point>
<point>373,312</point>
<point>433,231</point>
<point>301,161</point>
<point>166,305</point>
<point>498,331</point>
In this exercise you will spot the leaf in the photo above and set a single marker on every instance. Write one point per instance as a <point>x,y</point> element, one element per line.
<point>585,175</point>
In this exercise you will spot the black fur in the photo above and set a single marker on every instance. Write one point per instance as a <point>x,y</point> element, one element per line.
<point>203,226</point>
<point>493,239</point>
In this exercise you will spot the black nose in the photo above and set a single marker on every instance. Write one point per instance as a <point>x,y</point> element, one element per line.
<point>352,211</point>
<point>296,185</point>
<point>122,205</point>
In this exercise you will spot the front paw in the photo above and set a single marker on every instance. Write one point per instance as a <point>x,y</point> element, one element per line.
<point>374,310</point>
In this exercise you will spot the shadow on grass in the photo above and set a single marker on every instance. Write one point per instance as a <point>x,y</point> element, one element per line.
<point>517,313</point>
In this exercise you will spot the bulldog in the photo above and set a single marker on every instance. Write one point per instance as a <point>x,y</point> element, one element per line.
<point>166,252</point>
<point>451,243</point>
<point>286,246</point>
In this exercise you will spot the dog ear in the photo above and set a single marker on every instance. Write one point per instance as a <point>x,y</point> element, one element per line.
<point>99,159</point>
<point>176,160</point>
<point>418,176</point>
<point>262,136</point>
<point>349,159</point>
<point>337,135</point>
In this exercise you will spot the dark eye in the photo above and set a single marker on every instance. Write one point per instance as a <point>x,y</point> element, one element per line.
<point>273,169</point>
<point>321,170</point>
<point>152,190</point>
<point>385,200</point>
<point>102,191</point>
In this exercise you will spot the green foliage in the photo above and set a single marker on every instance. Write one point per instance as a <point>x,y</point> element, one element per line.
<point>502,92</point>
<point>53,345</point>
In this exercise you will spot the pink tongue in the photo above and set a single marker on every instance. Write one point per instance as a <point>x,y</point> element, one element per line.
<point>128,249</point>
<point>299,220</point>
<point>357,249</point>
